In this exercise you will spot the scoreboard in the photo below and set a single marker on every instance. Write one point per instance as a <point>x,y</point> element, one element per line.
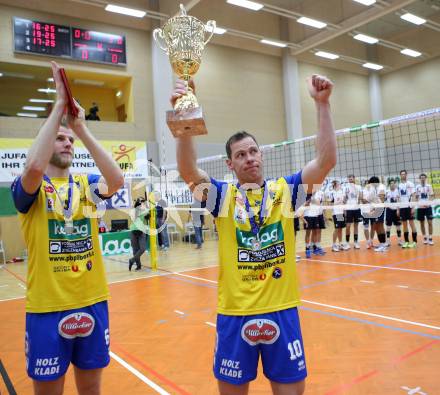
<point>43,38</point>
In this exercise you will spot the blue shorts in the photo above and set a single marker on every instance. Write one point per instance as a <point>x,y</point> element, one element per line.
<point>276,336</point>
<point>53,340</point>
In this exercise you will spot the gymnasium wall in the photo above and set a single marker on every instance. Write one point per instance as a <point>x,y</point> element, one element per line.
<point>411,89</point>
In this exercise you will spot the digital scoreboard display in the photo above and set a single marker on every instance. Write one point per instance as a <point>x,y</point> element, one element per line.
<point>43,38</point>
<point>100,47</point>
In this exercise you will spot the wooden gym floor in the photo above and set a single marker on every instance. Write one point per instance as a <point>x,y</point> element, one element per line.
<point>370,321</point>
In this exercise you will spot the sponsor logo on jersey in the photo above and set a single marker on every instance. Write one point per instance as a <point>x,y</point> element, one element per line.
<point>267,236</point>
<point>260,331</point>
<point>76,325</point>
<point>49,189</point>
<point>277,273</point>
<point>81,229</point>
<point>89,265</point>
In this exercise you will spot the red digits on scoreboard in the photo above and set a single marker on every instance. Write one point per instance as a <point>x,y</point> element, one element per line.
<point>99,46</point>
<point>114,58</point>
<point>52,28</point>
<point>119,41</point>
<point>77,33</point>
<point>84,54</point>
<point>52,43</point>
<point>86,35</point>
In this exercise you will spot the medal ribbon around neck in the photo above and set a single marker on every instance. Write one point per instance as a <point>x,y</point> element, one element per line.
<point>67,205</point>
<point>255,228</point>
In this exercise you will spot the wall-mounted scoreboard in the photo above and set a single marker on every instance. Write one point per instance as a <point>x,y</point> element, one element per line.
<point>42,38</point>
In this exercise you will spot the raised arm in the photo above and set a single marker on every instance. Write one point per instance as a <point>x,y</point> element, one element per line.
<point>185,149</point>
<point>42,148</point>
<point>314,172</point>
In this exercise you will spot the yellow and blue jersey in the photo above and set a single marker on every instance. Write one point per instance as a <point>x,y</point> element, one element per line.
<point>257,270</point>
<point>65,268</point>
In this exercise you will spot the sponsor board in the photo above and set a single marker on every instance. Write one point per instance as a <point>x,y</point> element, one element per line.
<point>114,243</point>
<point>436,211</point>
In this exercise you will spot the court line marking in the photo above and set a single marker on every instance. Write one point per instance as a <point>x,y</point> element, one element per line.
<point>367,281</point>
<point>179,312</point>
<point>372,314</point>
<point>373,266</point>
<point>210,324</point>
<point>138,374</point>
<point>346,386</point>
<point>160,377</point>
<point>361,312</point>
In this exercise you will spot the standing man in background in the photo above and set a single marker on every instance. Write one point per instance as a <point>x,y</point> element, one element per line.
<point>66,295</point>
<point>407,194</point>
<point>424,194</point>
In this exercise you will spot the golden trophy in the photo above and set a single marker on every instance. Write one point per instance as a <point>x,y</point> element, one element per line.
<point>183,39</point>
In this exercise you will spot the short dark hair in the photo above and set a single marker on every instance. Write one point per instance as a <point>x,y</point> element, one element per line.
<point>242,134</point>
<point>374,180</point>
<point>351,175</point>
<point>423,174</point>
<point>403,171</point>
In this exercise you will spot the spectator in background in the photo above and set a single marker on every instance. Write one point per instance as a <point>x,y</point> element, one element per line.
<point>161,226</point>
<point>198,220</point>
<point>138,229</point>
<point>93,113</point>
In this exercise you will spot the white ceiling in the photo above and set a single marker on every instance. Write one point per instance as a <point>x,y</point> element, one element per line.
<point>277,21</point>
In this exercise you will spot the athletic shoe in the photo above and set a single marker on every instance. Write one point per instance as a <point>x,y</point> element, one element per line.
<point>412,245</point>
<point>345,246</point>
<point>335,248</point>
<point>425,240</point>
<point>381,248</point>
<point>387,244</point>
<point>319,251</point>
<point>369,244</point>
<point>357,245</point>
<point>401,243</point>
<point>130,264</point>
<point>308,253</point>
<point>298,258</point>
<point>405,245</point>
<point>431,242</point>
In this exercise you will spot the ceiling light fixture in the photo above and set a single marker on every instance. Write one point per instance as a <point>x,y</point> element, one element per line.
<point>219,30</point>
<point>118,94</point>
<point>26,114</point>
<point>41,100</point>
<point>410,52</point>
<point>372,66</point>
<point>413,19</point>
<point>251,5</point>
<point>125,11</point>
<point>311,22</point>
<point>274,43</point>
<point>47,90</point>
<point>50,79</point>
<point>33,108</point>
<point>365,2</point>
<point>327,55</point>
<point>366,39</point>
<point>88,82</point>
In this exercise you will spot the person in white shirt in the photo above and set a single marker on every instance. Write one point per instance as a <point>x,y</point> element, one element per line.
<point>392,196</point>
<point>353,213</point>
<point>311,224</point>
<point>337,198</point>
<point>407,194</point>
<point>424,194</point>
<point>375,193</point>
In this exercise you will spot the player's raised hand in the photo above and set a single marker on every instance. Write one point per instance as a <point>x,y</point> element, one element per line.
<point>61,90</point>
<point>320,88</point>
<point>180,89</point>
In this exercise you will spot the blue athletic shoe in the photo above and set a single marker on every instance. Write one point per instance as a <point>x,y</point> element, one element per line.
<point>319,251</point>
<point>308,253</point>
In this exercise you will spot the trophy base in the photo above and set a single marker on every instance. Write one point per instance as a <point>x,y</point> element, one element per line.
<point>186,123</point>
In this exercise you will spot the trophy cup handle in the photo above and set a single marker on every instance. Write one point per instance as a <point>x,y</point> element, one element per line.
<point>210,27</point>
<point>158,37</point>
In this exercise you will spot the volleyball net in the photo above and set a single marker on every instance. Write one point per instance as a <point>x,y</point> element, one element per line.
<point>410,142</point>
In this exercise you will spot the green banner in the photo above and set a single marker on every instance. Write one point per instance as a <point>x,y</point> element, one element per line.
<point>436,210</point>
<point>115,243</point>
